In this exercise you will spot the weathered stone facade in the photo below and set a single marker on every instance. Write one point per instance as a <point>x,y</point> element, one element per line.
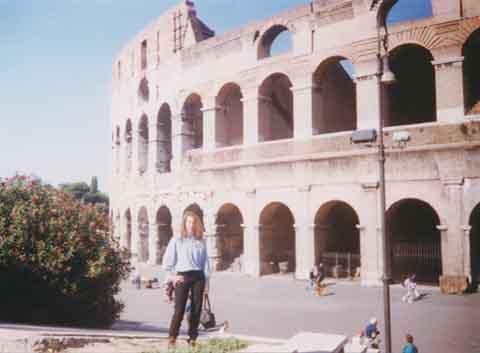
<point>259,144</point>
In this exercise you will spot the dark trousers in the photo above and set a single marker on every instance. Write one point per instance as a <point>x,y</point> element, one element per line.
<point>195,284</point>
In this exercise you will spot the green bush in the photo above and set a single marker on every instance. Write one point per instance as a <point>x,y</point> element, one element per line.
<point>59,263</point>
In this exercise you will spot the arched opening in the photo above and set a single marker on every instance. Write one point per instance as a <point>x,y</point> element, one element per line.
<point>117,149</point>
<point>128,146</point>
<point>143,144</point>
<point>192,130</point>
<point>164,146</point>
<point>195,209</point>
<point>277,239</point>
<point>471,73</point>
<point>275,108</point>
<point>275,41</point>
<point>143,90</point>
<point>334,97</point>
<point>128,230</point>
<point>230,238</point>
<point>475,247</point>
<point>337,239</point>
<point>229,116</point>
<point>415,241</point>
<point>143,253</point>
<point>164,232</point>
<point>411,98</point>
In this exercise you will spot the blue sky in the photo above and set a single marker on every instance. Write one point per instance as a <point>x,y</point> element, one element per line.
<point>56,64</point>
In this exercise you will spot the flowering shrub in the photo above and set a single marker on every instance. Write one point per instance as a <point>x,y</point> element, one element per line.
<point>59,263</point>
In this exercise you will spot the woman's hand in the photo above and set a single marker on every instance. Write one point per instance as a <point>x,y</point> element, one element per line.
<point>179,279</point>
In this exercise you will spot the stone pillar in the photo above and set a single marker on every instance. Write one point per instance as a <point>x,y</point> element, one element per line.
<point>152,242</point>
<point>449,89</point>
<point>152,147</point>
<point>250,116</point>
<point>177,143</point>
<point>371,256</point>
<point>135,237</point>
<point>304,235</point>
<point>251,233</point>
<point>303,108</point>
<point>467,267</point>
<point>453,278</point>
<point>212,240</point>
<point>209,134</point>
<point>368,98</point>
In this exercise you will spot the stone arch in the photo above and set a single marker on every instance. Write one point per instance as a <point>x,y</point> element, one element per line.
<point>229,224</point>
<point>275,108</point>
<point>415,241</point>
<point>337,238</point>
<point>269,39</point>
<point>143,236</point>
<point>334,96</point>
<point>164,232</point>
<point>192,127</point>
<point>128,230</point>
<point>277,238</point>
<point>164,140</point>
<point>229,116</point>
<point>412,97</point>
<point>419,36</point>
<point>128,145</point>
<point>143,142</point>
<point>471,73</point>
<point>474,223</point>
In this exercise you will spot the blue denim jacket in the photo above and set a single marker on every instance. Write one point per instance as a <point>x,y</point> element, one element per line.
<point>186,254</point>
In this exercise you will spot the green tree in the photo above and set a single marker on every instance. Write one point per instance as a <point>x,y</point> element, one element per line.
<point>78,190</point>
<point>59,262</point>
<point>94,185</point>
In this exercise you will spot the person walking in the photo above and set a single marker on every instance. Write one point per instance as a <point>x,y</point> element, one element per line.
<point>186,259</point>
<point>409,347</point>
<point>411,287</point>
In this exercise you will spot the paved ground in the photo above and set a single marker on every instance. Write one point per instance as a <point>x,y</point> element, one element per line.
<point>280,307</point>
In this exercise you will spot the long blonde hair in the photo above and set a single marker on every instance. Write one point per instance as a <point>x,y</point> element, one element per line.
<point>198,229</point>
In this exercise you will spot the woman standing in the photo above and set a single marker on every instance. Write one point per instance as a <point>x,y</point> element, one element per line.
<point>186,256</point>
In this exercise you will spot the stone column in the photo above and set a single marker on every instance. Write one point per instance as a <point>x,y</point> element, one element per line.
<point>177,143</point>
<point>304,235</point>
<point>209,133</point>
<point>135,237</point>
<point>250,116</point>
<point>368,98</point>
<point>152,242</point>
<point>212,239</point>
<point>467,265</point>
<point>251,257</point>
<point>303,108</point>
<point>449,89</point>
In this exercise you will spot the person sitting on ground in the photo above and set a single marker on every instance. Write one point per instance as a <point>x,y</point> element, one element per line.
<point>312,277</point>
<point>371,330</point>
<point>409,347</point>
<point>318,283</point>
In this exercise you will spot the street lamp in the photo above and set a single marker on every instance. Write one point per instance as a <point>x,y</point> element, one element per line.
<point>384,77</point>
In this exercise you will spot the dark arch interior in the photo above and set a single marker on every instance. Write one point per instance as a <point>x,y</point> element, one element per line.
<point>415,241</point>
<point>471,73</point>
<point>143,90</point>
<point>164,145</point>
<point>411,99</point>
<point>475,246</point>
<point>143,144</point>
<point>128,230</point>
<point>334,97</point>
<point>229,118</point>
<point>143,249</point>
<point>275,108</point>
<point>230,231</point>
<point>193,123</point>
<point>164,230</point>
<point>337,239</point>
<point>277,239</point>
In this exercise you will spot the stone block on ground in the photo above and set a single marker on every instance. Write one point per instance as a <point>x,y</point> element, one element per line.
<point>312,342</point>
<point>450,284</point>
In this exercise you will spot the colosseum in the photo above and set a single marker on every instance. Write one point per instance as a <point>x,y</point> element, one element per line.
<point>258,142</point>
